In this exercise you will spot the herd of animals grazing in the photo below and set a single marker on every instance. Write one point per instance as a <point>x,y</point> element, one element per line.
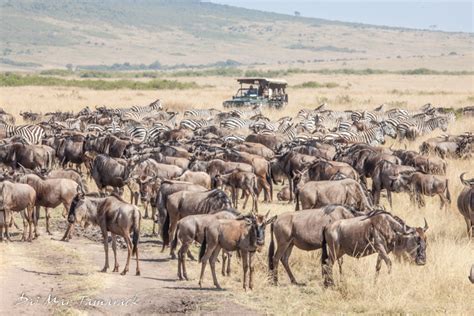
<point>189,172</point>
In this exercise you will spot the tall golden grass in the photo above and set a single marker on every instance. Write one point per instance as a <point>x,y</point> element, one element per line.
<point>440,287</point>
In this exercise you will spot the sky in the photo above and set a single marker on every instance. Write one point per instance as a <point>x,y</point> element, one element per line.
<point>453,16</point>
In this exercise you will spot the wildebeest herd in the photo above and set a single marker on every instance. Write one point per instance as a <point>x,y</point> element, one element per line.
<point>189,172</point>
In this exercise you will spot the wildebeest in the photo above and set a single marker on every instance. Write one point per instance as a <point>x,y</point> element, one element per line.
<point>284,194</point>
<point>378,232</point>
<point>196,177</point>
<point>316,194</point>
<point>111,214</point>
<point>471,275</point>
<point>18,197</point>
<point>28,156</point>
<point>391,177</point>
<point>247,181</point>
<point>429,185</point>
<point>303,229</point>
<point>184,203</point>
<point>245,233</point>
<point>190,229</point>
<point>466,203</point>
<point>107,171</point>
<point>50,193</point>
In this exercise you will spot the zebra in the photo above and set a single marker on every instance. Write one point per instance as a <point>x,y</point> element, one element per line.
<point>372,136</point>
<point>193,124</point>
<point>236,123</point>
<point>234,139</point>
<point>155,132</point>
<point>138,133</point>
<point>31,134</point>
<point>247,113</point>
<point>201,112</point>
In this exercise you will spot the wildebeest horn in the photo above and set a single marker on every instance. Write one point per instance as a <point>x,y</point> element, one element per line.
<point>426,225</point>
<point>268,213</point>
<point>464,181</point>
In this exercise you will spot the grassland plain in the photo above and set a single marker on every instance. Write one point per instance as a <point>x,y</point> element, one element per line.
<point>439,287</point>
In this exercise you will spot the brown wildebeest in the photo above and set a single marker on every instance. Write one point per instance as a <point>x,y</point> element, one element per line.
<point>383,177</point>
<point>196,177</point>
<point>111,214</point>
<point>160,198</point>
<point>303,229</point>
<point>378,232</point>
<point>66,174</point>
<point>466,204</point>
<point>256,149</point>
<point>429,185</point>
<point>247,181</point>
<point>191,228</point>
<point>245,233</point>
<point>184,203</point>
<point>322,169</point>
<point>316,194</point>
<point>284,194</point>
<point>50,193</point>
<point>16,197</point>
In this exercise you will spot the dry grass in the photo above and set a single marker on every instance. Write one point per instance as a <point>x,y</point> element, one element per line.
<point>441,286</point>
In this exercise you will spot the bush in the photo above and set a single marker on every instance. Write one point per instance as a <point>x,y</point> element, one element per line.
<point>15,80</point>
<point>316,85</point>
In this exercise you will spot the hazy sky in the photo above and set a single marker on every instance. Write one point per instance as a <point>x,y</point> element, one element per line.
<point>440,15</point>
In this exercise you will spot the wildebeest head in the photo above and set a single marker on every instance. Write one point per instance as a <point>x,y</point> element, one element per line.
<point>258,224</point>
<point>148,185</point>
<point>78,209</point>
<point>400,182</point>
<point>413,242</point>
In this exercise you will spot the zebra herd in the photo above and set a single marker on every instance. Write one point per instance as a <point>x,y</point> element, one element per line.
<point>146,124</point>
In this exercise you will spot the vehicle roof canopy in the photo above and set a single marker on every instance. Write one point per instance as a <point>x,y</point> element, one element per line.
<point>264,81</point>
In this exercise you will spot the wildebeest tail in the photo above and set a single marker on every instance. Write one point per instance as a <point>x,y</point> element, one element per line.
<point>271,249</point>
<point>297,198</point>
<point>269,180</point>
<point>174,243</point>
<point>448,194</point>
<point>165,232</point>
<point>136,230</point>
<point>202,251</point>
<point>324,248</point>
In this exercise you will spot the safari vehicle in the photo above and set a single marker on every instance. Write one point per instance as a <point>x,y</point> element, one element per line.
<point>259,92</point>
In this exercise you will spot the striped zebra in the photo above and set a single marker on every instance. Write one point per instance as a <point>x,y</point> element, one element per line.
<point>247,113</point>
<point>194,124</point>
<point>412,129</point>
<point>155,132</point>
<point>138,133</point>
<point>236,123</point>
<point>201,112</point>
<point>372,136</point>
<point>30,134</point>
<point>234,139</point>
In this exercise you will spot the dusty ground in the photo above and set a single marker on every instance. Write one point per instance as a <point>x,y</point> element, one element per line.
<point>51,276</point>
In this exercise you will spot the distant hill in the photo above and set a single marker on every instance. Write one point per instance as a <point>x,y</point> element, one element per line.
<point>151,34</point>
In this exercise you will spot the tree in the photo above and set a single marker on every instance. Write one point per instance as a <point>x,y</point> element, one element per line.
<point>297,13</point>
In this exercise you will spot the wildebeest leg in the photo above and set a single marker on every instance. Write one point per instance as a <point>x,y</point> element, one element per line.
<point>114,249</point>
<point>443,202</point>
<point>380,248</point>
<point>106,248</point>
<point>245,266</point>
<point>389,198</point>
<point>25,225</point>
<point>229,256</point>
<point>190,255</point>
<point>153,217</point>
<point>281,249</point>
<point>181,261</point>
<point>67,234</point>
<point>46,210</point>
<point>6,221</point>
<point>30,215</point>
<point>36,219</point>
<point>339,262</point>
<point>172,231</point>
<point>224,260</point>
<point>470,229</point>
<point>251,270</point>
<point>284,261</point>
<point>235,196</point>
<point>212,263</point>
<point>126,236</point>
<point>378,266</point>
<point>247,195</point>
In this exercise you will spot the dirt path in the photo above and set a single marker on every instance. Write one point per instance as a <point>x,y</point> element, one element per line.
<point>50,276</point>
